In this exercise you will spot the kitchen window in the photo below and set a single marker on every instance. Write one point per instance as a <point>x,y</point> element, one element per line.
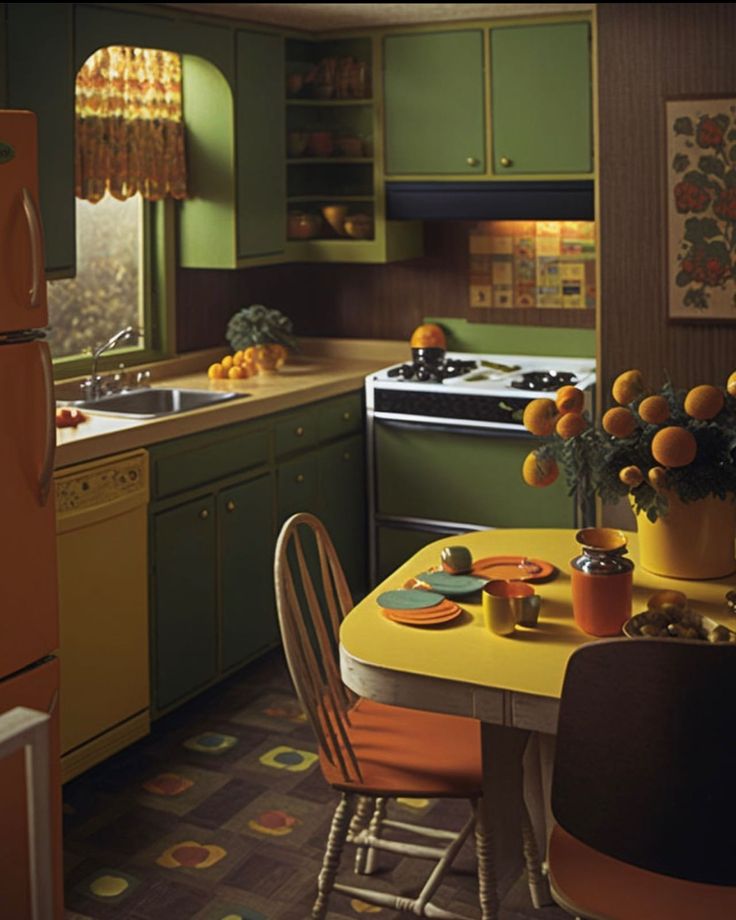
<point>129,164</point>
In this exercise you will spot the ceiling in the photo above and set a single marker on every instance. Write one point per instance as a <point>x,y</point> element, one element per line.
<point>318,17</point>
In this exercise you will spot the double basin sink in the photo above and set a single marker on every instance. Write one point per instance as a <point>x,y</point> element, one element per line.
<point>152,402</point>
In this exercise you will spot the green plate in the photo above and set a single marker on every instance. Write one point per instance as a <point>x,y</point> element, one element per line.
<point>408,599</point>
<point>452,585</point>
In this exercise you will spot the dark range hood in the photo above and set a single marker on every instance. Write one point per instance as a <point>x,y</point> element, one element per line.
<point>563,200</point>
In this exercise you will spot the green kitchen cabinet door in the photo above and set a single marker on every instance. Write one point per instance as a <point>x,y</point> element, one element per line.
<point>261,150</point>
<point>343,498</point>
<point>184,608</point>
<point>541,99</point>
<point>434,103</point>
<point>248,609</point>
<point>40,77</point>
<point>297,486</point>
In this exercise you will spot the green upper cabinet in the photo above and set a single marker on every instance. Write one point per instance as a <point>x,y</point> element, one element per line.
<point>435,103</point>
<point>40,77</point>
<point>541,99</point>
<point>260,144</point>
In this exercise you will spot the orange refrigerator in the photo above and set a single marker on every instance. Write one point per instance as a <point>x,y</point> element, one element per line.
<point>29,622</point>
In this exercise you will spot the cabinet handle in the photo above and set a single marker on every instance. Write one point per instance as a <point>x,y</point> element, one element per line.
<point>299,432</point>
<point>472,161</point>
<point>230,506</point>
<point>346,416</point>
<point>300,477</point>
<point>505,161</point>
<point>204,514</point>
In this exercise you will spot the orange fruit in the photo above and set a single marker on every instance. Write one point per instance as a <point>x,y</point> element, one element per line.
<point>570,425</point>
<point>673,447</point>
<point>631,476</point>
<point>731,384</point>
<point>619,422</point>
<point>238,358</point>
<point>236,372</point>
<point>227,362</point>
<point>704,402</point>
<point>540,416</point>
<point>216,372</point>
<point>654,410</point>
<point>538,471</point>
<point>569,399</point>
<point>657,477</point>
<point>428,335</point>
<point>627,387</point>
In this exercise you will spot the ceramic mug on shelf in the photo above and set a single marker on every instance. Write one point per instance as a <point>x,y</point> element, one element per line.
<point>507,604</point>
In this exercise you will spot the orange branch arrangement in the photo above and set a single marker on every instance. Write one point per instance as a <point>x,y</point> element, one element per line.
<point>261,338</point>
<point>649,446</point>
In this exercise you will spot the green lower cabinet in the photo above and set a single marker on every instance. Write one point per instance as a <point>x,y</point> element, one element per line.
<point>247,604</point>
<point>184,600</point>
<point>342,487</point>
<point>298,486</point>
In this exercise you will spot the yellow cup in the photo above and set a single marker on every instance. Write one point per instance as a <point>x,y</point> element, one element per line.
<point>508,603</point>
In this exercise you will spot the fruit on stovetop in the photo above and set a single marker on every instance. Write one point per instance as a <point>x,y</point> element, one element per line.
<point>428,335</point>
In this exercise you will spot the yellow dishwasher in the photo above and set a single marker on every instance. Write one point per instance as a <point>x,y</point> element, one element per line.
<point>102,527</point>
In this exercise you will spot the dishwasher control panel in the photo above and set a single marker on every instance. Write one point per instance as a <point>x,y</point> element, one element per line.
<point>98,484</point>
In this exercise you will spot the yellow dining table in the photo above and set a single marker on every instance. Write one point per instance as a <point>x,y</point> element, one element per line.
<point>511,684</point>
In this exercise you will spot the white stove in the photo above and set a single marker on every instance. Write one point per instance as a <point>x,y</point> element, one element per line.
<point>473,390</point>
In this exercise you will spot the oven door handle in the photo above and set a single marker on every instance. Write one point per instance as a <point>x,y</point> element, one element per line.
<point>472,430</point>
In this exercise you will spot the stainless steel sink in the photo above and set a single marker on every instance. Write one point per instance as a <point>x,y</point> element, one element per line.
<point>154,401</point>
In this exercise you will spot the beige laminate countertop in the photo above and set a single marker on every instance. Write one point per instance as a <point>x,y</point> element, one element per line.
<point>304,379</point>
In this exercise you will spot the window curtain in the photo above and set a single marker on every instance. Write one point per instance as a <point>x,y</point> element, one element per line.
<point>129,128</point>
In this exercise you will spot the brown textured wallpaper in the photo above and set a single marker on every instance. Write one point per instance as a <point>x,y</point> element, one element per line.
<point>649,52</point>
<point>350,301</point>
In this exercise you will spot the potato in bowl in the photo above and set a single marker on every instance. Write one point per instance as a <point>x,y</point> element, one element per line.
<point>676,622</point>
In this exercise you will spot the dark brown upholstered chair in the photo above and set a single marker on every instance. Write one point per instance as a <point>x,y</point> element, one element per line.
<point>642,791</point>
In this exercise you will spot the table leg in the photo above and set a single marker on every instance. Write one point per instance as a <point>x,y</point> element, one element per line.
<point>503,752</point>
<point>537,764</point>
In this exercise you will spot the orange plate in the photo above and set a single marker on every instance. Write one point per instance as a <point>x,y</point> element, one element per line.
<point>507,567</point>
<point>426,613</point>
<point>398,617</point>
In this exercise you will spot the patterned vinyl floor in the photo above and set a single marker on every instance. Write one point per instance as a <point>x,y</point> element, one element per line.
<point>222,814</point>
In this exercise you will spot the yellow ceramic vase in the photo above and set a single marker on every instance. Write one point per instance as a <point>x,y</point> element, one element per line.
<point>693,540</point>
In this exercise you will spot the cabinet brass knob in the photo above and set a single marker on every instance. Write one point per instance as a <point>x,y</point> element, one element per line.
<point>346,455</point>
<point>505,161</point>
<point>299,431</point>
<point>346,416</point>
<point>204,514</point>
<point>472,161</point>
<point>300,477</point>
<point>230,506</point>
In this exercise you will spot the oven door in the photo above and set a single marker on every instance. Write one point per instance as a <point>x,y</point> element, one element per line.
<point>430,480</point>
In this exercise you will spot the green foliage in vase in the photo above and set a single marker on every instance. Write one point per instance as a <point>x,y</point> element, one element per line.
<point>259,325</point>
<point>592,461</point>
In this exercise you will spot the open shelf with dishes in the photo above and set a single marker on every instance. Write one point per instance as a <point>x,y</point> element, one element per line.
<point>334,177</point>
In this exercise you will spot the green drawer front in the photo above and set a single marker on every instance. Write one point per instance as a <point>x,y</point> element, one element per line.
<point>295,431</point>
<point>339,417</point>
<point>298,486</point>
<point>189,462</point>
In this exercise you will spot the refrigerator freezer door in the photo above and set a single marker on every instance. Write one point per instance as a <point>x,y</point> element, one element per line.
<point>36,688</point>
<point>22,282</point>
<point>28,573</point>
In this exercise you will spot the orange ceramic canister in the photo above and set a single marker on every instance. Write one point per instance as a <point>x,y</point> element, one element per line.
<point>602,581</point>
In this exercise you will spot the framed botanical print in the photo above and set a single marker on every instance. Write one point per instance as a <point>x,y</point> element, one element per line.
<point>701,208</point>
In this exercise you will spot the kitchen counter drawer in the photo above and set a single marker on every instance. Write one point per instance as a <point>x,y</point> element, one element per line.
<point>184,463</point>
<point>295,431</point>
<point>337,418</point>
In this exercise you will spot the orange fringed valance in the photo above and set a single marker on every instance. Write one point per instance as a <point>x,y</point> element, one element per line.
<point>129,128</point>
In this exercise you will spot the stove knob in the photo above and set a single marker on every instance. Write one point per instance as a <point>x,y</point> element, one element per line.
<point>423,373</point>
<point>406,371</point>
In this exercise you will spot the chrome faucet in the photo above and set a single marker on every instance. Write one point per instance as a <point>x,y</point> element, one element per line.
<point>93,385</point>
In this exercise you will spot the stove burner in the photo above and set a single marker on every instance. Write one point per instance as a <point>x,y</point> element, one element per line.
<point>423,371</point>
<point>543,380</point>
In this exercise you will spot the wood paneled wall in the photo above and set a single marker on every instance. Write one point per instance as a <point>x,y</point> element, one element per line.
<point>350,301</point>
<point>649,52</point>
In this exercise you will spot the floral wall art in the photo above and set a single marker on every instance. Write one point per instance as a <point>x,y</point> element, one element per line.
<point>701,208</point>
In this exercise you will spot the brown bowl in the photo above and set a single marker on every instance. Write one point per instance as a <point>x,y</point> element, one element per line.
<point>676,623</point>
<point>303,226</point>
<point>359,226</point>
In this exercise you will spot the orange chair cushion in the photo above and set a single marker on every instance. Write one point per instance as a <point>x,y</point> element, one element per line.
<point>410,752</point>
<point>600,887</point>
